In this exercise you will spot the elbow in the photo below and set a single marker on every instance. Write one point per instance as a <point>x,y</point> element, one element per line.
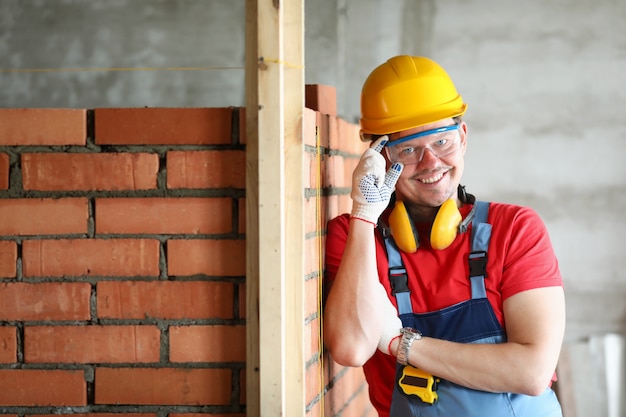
<point>346,354</point>
<point>534,385</point>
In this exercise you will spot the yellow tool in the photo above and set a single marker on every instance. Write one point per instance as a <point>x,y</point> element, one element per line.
<point>414,381</point>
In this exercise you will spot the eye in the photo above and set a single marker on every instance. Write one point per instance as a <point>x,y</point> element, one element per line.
<point>407,151</point>
<point>441,143</point>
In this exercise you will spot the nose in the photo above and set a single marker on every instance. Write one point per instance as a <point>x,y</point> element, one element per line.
<point>423,154</point>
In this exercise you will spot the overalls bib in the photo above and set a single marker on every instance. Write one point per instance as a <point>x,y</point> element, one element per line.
<point>471,321</point>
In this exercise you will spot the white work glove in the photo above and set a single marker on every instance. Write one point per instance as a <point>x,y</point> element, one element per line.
<point>371,185</point>
<point>391,322</point>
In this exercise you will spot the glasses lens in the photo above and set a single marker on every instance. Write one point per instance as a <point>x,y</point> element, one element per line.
<point>412,152</point>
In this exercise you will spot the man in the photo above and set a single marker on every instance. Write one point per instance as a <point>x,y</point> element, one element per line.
<point>476,285</point>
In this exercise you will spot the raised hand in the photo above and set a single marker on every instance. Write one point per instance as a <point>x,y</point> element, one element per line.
<point>371,185</point>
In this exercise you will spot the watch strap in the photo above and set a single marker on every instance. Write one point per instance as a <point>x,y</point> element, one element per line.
<point>409,335</point>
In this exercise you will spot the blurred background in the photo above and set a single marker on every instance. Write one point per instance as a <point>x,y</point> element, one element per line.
<point>545,81</point>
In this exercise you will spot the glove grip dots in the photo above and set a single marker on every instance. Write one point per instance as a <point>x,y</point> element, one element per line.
<point>447,224</point>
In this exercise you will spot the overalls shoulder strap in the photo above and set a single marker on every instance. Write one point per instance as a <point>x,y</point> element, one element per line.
<point>481,234</point>
<point>397,276</point>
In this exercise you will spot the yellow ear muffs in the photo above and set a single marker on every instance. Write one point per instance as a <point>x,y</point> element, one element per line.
<point>402,229</point>
<point>446,225</point>
<point>443,232</point>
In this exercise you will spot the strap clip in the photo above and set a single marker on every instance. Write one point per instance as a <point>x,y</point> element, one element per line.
<point>398,279</point>
<point>478,264</point>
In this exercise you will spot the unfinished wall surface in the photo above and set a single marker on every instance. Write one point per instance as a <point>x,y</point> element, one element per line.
<point>332,389</point>
<point>122,261</point>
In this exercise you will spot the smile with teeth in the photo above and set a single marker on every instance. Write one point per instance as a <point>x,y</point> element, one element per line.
<point>432,179</point>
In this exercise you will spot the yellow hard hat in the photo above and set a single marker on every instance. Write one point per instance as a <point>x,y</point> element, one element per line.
<point>406,92</point>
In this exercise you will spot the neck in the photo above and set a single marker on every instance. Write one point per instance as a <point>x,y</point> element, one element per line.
<point>425,214</point>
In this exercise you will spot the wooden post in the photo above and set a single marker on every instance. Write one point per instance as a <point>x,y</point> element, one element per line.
<point>274,208</point>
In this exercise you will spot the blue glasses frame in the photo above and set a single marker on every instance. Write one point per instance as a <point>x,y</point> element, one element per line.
<point>421,134</point>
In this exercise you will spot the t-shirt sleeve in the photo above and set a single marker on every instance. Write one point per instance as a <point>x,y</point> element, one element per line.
<point>336,237</point>
<point>530,261</point>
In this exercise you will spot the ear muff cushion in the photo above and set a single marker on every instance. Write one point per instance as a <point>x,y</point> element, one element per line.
<point>402,229</point>
<point>445,226</point>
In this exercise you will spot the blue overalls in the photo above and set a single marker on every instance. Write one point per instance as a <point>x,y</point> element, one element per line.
<point>471,321</point>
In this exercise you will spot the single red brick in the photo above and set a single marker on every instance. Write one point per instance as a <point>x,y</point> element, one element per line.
<point>313,295</point>
<point>322,98</point>
<point>309,126</point>
<point>209,257</point>
<point>163,386</point>
<point>165,299</point>
<point>322,123</point>
<point>313,214</point>
<point>8,259</point>
<point>8,344</point>
<point>91,344</point>
<point>80,257</point>
<point>338,204</point>
<point>164,215</point>
<point>347,138</point>
<point>218,343</point>
<point>43,127</point>
<point>41,387</point>
<point>163,126</point>
<point>43,216</point>
<point>4,171</point>
<point>44,301</point>
<point>313,255</point>
<point>83,171</point>
<point>206,169</point>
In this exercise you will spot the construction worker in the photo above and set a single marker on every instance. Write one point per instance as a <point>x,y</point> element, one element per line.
<point>452,305</point>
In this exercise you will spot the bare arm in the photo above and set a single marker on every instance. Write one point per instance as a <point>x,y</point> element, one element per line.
<point>535,324</point>
<point>352,317</point>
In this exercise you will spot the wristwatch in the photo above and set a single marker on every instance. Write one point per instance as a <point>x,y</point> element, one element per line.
<point>409,335</point>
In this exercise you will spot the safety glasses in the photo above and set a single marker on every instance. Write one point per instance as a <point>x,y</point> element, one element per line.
<point>407,150</point>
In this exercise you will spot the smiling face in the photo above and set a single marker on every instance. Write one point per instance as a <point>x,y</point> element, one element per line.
<point>425,185</point>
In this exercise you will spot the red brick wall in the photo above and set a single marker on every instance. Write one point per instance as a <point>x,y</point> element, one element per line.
<point>122,260</point>
<point>332,148</point>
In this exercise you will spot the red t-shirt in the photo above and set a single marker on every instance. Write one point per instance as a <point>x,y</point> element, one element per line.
<point>520,258</point>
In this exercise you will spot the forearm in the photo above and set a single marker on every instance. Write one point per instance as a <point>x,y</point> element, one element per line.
<point>524,364</point>
<point>505,367</point>
<point>352,322</point>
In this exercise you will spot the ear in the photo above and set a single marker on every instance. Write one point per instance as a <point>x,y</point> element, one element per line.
<point>463,134</point>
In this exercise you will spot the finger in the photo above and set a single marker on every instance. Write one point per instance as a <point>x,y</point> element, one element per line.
<point>392,175</point>
<point>380,143</point>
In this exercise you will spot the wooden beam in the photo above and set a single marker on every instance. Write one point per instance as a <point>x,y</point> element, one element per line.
<point>253,401</point>
<point>274,208</point>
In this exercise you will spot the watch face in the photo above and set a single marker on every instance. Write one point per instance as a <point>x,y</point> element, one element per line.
<point>409,331</point>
